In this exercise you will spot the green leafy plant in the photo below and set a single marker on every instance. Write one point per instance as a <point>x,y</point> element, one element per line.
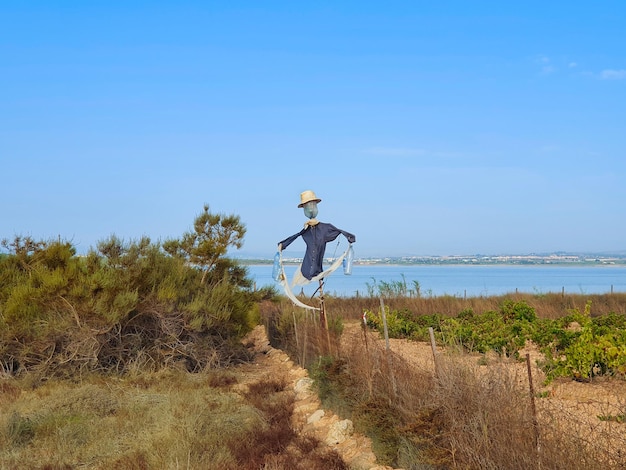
<point>596,346</point>
<point>593,350</point>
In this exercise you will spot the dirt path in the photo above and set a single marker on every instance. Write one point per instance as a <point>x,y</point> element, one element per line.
<point>309,417</point>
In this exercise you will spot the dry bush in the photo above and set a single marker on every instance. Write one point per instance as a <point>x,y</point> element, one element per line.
<point>390,400</point>
<point>463,417</point>
<point>300,333</point>
<point>487,417</point>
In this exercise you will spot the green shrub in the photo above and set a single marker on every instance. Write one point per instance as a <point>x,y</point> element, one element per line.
<point>124,304</point>
<point>596,347</point>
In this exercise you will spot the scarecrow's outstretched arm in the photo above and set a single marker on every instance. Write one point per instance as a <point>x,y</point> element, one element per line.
<point>334,232</point>
<point>289,240</point>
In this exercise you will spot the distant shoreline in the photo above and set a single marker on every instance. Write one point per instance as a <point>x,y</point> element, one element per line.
<point>463,261</point>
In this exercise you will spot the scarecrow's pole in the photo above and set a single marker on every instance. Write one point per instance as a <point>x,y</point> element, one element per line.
<point>323,318</point>
<point>322,309</point>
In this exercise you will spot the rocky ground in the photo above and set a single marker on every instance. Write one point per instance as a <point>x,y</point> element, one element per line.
<point>309,417</point>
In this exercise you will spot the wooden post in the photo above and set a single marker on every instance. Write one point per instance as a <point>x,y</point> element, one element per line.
<point>433,346</point>
<point>532,403</point>
<point>323,317</point>
<point>304,342</point>
<point>388,350</point>
<point>295,331</point>
<point>364,325</point>
<point>323,320</point>
<point>370,373</point>
<point>385,330</point>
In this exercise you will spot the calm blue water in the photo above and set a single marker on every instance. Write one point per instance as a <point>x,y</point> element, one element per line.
<point>470,281</point>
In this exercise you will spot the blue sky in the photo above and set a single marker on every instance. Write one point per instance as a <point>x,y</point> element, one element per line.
<point>427,128</point>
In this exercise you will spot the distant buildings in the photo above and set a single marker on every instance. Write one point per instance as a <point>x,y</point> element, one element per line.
<point>553,258</point>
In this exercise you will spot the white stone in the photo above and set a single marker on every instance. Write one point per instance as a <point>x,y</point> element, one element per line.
<point>315,417</point>
<point>303,385</point>
<point>339,432</point>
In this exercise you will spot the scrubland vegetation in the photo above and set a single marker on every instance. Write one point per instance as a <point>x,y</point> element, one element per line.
<point>462,416</point>
<point>128,357</point>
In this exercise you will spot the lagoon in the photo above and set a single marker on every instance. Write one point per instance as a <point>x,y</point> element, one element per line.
<point>465,280</point>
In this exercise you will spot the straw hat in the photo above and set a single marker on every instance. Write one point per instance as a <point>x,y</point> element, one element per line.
<point>308,196</point>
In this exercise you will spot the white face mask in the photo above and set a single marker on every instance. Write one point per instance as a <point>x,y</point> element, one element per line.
<point>310,209</point>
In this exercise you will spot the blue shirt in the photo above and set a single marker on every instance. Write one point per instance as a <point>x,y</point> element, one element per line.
<point>316,237</point>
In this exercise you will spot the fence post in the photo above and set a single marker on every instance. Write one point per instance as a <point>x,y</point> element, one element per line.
<point>433,346</point>
<point>364,326</point>
<point>388,349</point>
<point>532,403</point>
<point>385,330</point>
<point>295,331</point>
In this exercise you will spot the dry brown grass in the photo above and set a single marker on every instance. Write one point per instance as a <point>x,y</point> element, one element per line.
<point>169,419</point>
<point>467,415</point>
<point>474,417</point>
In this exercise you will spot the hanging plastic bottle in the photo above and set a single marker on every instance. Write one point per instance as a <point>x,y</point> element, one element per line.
<point>347,261</point>
<point>276,271</point>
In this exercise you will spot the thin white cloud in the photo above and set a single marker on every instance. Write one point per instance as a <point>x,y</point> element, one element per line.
<point>548,69</point>
<point>546,65</point>
<point>610,74</point>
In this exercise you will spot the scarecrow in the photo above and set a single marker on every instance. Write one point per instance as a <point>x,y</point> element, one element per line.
<point>316,235</point>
